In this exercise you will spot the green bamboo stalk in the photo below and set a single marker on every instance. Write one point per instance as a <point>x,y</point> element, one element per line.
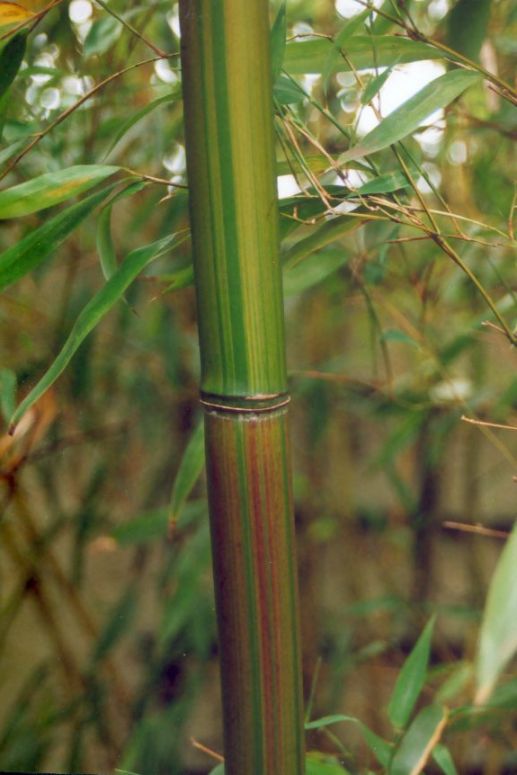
<point>234,219</point>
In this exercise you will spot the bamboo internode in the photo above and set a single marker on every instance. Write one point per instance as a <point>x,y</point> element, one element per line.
<point>234,220</point>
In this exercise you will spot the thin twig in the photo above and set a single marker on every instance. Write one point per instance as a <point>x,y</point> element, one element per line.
<point>478,529</point>
<point>487,424</point>
<point>205,749</point>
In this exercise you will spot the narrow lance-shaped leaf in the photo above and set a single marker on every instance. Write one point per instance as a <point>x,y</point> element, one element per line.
<point>409,116</point>
<point>130,122</point>
<point>51,189</point>
<point>278,40</point>
<point>102,35</point>
<point>11,58</point>
<point>314,270</point>
<point>317,763</point>
<point>379,747</point>
<point>498,636</point>
<point>189,471</point>
<point>93,313</point>
<point>411,679</point>
<point>105,247</point>
<point>328,232</point>
<point>12,13</point>
<point>363,51</point>
<point>7,392</point>
<point>39,244</point>
<point>442,757</point>
<point>467,25</point>
<point>418,742</point>
<point>335,53</point>
<point>375,85</point>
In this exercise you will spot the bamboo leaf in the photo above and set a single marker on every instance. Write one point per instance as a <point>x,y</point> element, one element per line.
<point>328,232</point>
<point>105,247</point>
<point>409,116</point>
<point>411,679</point>
<point>142,529</point>
<point>363,52</point>
<point>39,244</point>
<point>11,58</point>
<point>138,116</point>
<point>498,636</point>
<point>7,392</point>
<point>336,52</point>
<point>467,25</point>
<point>384,184</point>
<point>51,189</point>
<point>93,313</point>
<point>379,747</point>
<point>189,471</point>
<point>443,759</point>
<point>322,764</point>
<point>418,742</point>
<point>375,85</point>
<point>287,92</point>
<point>102,35</point>
<point>12,13</point>
<point>313,271</point>
<point>278,39</point>
<point>11,150</point>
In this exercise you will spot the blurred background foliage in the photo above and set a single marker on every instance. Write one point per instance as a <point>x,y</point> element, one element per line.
<point>108,655</point>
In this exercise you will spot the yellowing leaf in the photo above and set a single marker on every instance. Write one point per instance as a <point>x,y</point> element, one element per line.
<point>12,13</point>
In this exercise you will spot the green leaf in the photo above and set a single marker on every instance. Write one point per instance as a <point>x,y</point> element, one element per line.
<point>93,313</point>
<point>11,58</point>
<point>189,471</point>
<point>40,243</point>
<point>278,38</point>
<point>11,150</point>
<point>396,335</point>
<point>418,742</point>
<point>409,116</point>
<point>384,184</point>
<point>101,36</point>
<point>7,392</point>
<point>375,85</point>
<point>142,529</point>
<point>138,116</point>
<point>363,52</point>
<point>443,759</point>
<point>313,270</point>
<point>322,764</point>
<point>323,235</point>
<point>51,189</point>
<point>219,770</point>
<point>467,26</point>
<point>411,679</point>
<point>287,92</point>
<point>336,52</point>
<point>459,678</point>
<point>498,636</point>
<point>105,247</point>
<point>181,278</point>
<point>379,747</point>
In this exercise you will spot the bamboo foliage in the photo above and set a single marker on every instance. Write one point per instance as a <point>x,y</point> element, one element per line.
<point>234,219</point>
